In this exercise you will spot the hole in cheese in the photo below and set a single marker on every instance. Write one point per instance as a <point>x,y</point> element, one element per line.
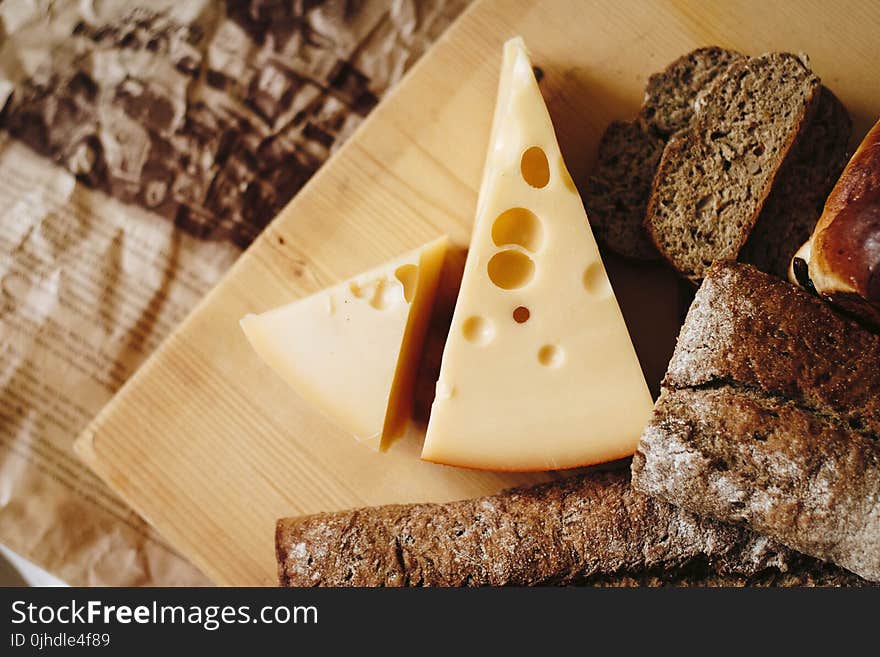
<point>387,295</point>
<point>381,293</point>
<point>551,355</point>
<point>596,280</point>
<point>478,330</point>
<point>521,314</point>
<point>359,291</point>
<point>511,269</point>
<point>534,167</point>
<point>518,226</point>
<point>408,275</point>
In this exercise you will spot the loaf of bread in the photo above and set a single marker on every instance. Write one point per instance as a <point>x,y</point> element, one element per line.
<point>589,529</point>
<point>769,417</point>
<point>714,177</point>
<point>842,259</point>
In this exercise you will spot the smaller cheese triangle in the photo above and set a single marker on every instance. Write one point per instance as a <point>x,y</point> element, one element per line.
<point>538,372</point>
<point>352,350</point>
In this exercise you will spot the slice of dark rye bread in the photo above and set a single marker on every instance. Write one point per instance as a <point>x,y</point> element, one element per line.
<point>588,529</point>
<point>629,152</point>
<point>616,196</point>
<point>671,95</point>
<point>715,176</point>
<point>769,417</point>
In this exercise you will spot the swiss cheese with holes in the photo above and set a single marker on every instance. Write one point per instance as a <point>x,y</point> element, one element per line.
<point>538,371</point>
<point>352,350</point>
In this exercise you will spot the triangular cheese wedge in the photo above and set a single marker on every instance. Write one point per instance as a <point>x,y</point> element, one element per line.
<point>538,371</point>
<point>352,350</point>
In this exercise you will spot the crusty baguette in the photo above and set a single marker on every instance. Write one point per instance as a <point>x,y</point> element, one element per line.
<point>770,417</point>
<point>591,528</point>
<point>734,453</point>
<point>843,255</point>
<point>715,176</point>
<point>763,333</point>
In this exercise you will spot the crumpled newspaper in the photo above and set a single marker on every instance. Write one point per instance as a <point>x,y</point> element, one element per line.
<point>216,122</point>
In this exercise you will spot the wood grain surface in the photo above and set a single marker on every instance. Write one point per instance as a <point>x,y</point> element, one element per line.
<point>211,447</point>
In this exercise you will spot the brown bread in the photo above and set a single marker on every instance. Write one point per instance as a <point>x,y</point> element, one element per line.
<point>593,528</point>
<point>714,177</point>
<point>671,95</point>
<point>804,182</point>
<point>617,193</point>
<point>629,152</point>
<point>762,333</point>
<point>770,418</point>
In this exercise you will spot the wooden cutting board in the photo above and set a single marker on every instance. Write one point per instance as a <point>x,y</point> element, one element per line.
<point>211,447</point>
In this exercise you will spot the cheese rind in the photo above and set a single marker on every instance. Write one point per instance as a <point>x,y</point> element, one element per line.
<point>352,350</point>
<point>539,371</point>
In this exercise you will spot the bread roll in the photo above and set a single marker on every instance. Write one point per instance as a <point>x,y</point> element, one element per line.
<point>842,259</point>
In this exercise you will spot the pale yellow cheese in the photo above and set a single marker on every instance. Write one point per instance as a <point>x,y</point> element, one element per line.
<point>352,350</point>
<point>538,371</point>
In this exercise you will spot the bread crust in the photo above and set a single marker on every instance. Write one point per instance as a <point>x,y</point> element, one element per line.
<point>750,328</point>
<point>770,417</point>
<point>844,263</point>
<point>768,464</point>
<point>592,528</point>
